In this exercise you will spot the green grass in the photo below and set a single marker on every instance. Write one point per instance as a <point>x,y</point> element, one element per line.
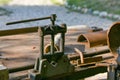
<point>56,2</point>
<point>111,6</point>
<point>2,2</point>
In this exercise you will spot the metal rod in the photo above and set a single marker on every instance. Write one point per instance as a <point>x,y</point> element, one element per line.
<point>52,18</point>
<point>29,20</point>
<point>12,70</point>
<point>52,44</point>
<point>62,42</point>
<point>18,31</point>
<point>89,54</point>
<point>41,34</point>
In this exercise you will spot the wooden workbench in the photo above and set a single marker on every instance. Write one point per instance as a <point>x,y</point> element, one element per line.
<point>23,49</point>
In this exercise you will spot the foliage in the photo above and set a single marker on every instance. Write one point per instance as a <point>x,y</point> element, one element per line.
<point>56,2</point>
<point>2,2</point>
<point>111,6</point>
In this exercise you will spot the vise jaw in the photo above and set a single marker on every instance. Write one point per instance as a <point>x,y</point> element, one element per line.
<point>54,64</point>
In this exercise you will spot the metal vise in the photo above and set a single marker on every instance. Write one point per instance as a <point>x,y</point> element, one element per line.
<point>55,63</point>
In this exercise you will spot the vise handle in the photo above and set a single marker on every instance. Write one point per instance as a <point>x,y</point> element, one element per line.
<point>52,18</point>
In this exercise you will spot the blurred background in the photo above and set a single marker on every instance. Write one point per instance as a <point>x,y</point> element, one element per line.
<point>100,13</point>
<point>110,6</point>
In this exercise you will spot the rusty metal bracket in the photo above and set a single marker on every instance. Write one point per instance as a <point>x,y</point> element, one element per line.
<point>81,55</point>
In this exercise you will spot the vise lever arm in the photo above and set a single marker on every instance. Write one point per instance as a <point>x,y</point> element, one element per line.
<point>52,18</point>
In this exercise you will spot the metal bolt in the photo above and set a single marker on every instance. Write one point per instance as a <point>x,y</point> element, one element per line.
<point>35,71</point>
<point>45,66</point>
